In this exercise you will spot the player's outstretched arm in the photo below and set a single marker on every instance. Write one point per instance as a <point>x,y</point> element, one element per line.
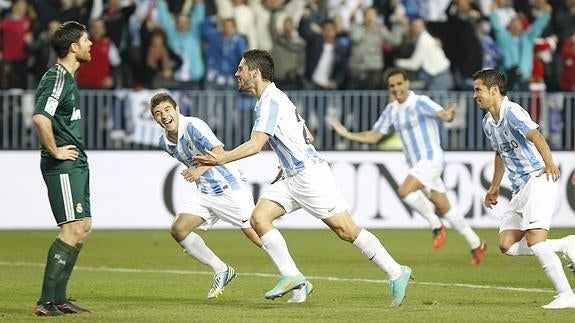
<point>447,115</point>
<point>248,148</point>
<point>366,137</point>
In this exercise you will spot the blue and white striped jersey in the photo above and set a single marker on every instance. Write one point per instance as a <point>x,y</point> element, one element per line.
<point>277,116</point>
<point>196,138</point>
<point>417,126</point>
<point>508,137</point>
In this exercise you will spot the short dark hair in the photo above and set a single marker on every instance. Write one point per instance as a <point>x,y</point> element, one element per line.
<point>491,77</point>
<point>394,71</point>
<point>262,60</point>
<point>161,97</point>
<point>68,33</point>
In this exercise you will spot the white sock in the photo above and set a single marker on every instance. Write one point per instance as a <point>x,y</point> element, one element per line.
<point>520,248</point>
<point>462,227</point>
<point>276,247</point>
<point>372,248</point>
<point>558,245</point>
<point>552,266</point>
<point>195,246</point>
<point>418,202</point>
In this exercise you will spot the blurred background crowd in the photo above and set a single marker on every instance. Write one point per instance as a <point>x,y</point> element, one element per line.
<point>317,44</point>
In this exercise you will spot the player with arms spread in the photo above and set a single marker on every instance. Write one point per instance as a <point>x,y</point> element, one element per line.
<point>64,165</point>
<point>223,192</point>
<point>415,117</point>
<point>307,182</point>
<point>523,152</point>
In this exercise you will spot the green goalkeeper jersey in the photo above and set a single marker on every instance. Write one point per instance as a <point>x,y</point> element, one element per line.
<point>57,98</point>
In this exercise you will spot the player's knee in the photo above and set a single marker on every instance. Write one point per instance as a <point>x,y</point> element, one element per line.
<point>179,230</point>
<point>258,219</point>
<point>505,245</point>
<point>402,192</point>
<point>345,234</point>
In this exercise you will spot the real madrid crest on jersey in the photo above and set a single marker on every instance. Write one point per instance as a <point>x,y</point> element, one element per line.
<point>79,208</point>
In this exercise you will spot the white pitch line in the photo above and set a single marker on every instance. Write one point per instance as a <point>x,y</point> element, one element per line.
<point>334,279</point>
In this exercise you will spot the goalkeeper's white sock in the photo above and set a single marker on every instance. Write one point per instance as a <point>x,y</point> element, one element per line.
<point>419,203</point>
<point>462,227</point>
<point>372,248</point>
<point>275,245</point>
<point>195,246</point>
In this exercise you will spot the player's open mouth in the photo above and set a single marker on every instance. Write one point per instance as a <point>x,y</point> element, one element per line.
<point>167,121</point>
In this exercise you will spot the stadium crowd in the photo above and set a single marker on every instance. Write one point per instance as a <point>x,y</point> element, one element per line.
<point>317,44</point>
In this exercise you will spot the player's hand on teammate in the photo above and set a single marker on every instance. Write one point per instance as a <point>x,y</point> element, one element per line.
<point>191,174</point>
<point>552,171</point>
<point>211,159</point>
<point>68,152</point>
<point>491,197</point>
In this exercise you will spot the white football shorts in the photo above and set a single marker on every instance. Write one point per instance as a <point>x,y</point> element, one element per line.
<point>312,189</point>
<point>234,207</point>
<point>532,207</point>
<point>429,175</point>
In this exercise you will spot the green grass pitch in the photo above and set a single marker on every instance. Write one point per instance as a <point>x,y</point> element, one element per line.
<point>144,276</point>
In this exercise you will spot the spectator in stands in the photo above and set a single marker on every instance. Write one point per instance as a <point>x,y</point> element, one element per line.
<point>244,18</point>
<point>62,10</point>
<point>491,55</point>
<point>461,45</point>
<point>347,11</point>
<point>184,38</point>
<point>428,58</point>
<point>326,60</point>
<point>98,73</point>
<point>117,15</point>
<point>117,18</point>
<point>261,9</point>
<point>15,36</point>
<point>516,46</point>
<point>224,48</point>
<point>367,39</point>
<point>567,81</point>
<point>159,62</point>
<point>288,53</point>
<point>42,51</point>
<point>393,12</point>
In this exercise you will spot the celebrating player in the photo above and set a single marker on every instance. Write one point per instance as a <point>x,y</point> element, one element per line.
<point>223,193</point>
<point>523,152</point>
<point>307,182</point>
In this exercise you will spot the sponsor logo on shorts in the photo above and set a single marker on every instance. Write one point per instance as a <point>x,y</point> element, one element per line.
<point>79,208</point>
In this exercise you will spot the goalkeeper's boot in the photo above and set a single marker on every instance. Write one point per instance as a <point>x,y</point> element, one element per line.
<point>399,286</point>
<point>221,280</point>
<point>70,308</point>
<point>478,254</point>
<point>569,253</point>
<point>285,285</point>
<point>47,309</point>
<point>439,236</point>
<point>300,294</point>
